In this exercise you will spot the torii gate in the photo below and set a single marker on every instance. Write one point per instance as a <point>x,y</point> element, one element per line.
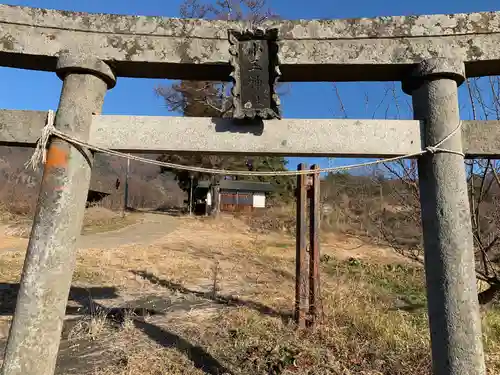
<point>430,55</point>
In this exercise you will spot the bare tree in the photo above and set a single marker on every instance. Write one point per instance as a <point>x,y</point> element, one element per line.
<point>206,98</point>
<point>212,99</point>
<point>484,195</point>
<point>395,216</point>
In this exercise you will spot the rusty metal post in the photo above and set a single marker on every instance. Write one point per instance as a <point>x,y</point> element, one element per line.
<point>454,317</point>
<point>48,268</point>
<point>301,273</point>
<point>314,227</point>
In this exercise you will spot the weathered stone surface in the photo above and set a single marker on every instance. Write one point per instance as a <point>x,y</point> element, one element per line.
<point>309,50</point>
<point>143,134</point>
<point>69,63</point>
<point>50,258</point>
<point>481,139</point>
<point>454,318</point>
<point>435,68</point>
<point>21,128</point>
<point>379,27</point>
<point>255,65</point>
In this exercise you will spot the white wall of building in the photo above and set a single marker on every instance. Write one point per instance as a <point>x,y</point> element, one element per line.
<point>259,200</point>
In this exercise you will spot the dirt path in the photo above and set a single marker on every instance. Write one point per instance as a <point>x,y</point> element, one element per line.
<point>149,228</point>
<point>81,356</point>
<point>151,303</point>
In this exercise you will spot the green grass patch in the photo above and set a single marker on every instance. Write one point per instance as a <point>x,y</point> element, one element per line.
<point>406,282</point>
<point>399,286</point>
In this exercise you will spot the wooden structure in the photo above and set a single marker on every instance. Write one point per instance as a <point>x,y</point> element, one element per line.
<point>234,195</point>
<point>307,290</point>
<point>98,190</point>
<point>430,55</point>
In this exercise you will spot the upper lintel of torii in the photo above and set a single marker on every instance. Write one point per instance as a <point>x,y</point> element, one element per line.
<point>376,49</point>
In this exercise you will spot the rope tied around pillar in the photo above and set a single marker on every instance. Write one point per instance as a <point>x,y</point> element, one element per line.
<point>436,148</point>
<point>50,130</point>
<point>40,153</point>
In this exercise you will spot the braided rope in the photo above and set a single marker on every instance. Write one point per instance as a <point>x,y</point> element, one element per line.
<point>49,130</point>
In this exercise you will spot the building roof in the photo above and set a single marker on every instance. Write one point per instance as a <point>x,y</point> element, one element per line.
<point>240,185</point>
<point>98,183</point>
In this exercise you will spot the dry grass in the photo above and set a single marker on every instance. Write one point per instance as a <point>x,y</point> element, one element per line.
<point>10,266</point>
<point>91,326</point>
<point>367,328</point>
<point>10,214</point>
<point>275,219</point>
<point>374,306</point>
<point>96,220</point>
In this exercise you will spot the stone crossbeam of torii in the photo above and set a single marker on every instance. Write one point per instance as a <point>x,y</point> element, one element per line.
<point>430,55</point>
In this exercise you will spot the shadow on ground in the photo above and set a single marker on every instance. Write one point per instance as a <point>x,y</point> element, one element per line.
<point>83,296</point>
<point>85,355</point>
<point>214,297</point>
<point>409,306</point>
<point>199,357</point>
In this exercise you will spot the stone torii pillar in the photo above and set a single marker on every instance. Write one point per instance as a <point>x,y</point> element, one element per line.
<point>454,317</point>
<point>48,268</point>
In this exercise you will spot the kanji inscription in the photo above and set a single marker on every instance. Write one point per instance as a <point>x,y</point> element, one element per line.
<point>255,74</point>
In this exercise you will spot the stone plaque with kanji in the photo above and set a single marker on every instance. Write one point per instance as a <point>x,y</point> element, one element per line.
<point>255,73</point>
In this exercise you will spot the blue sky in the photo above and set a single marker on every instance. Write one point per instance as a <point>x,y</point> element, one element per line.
<point>22,89</point>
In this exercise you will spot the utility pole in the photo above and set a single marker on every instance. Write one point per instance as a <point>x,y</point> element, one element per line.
<point>125,193</point>
<point>191,195</point>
